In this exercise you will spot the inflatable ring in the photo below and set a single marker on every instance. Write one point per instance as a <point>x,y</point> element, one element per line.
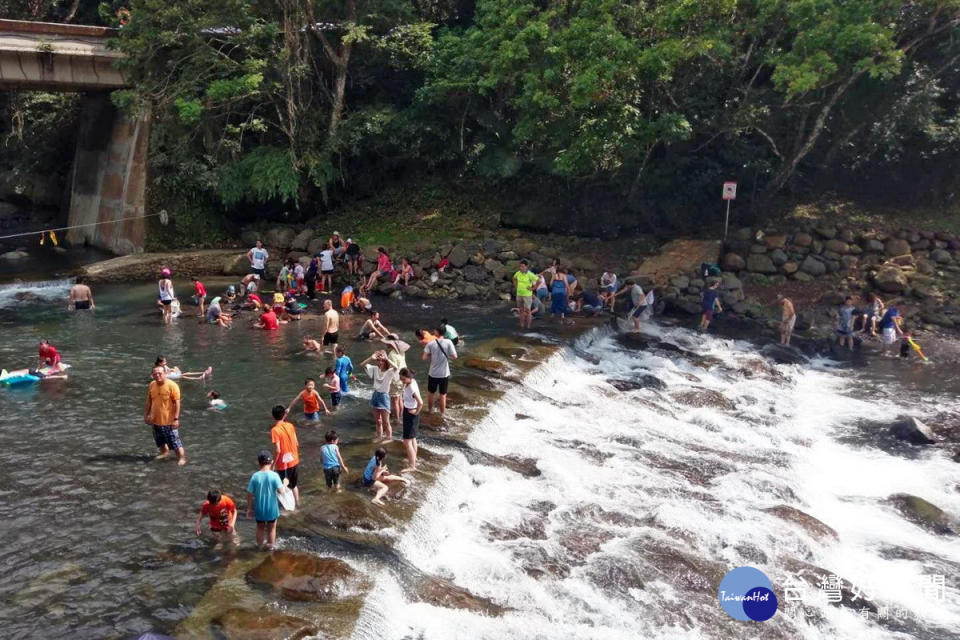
<point>123,16</point>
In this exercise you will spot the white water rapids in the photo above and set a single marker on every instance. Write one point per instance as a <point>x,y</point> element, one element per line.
<point>645,501</point>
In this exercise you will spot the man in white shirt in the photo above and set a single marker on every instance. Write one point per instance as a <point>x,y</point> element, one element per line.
<point>439,352</point>
<point>326,270</point>
<point>258,257</point>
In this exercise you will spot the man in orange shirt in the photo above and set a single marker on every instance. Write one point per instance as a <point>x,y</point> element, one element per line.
<point>286,450</point>
<point>163,414</point>
<point>222,511</point>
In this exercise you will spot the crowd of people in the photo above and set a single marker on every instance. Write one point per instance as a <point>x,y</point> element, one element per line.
<point>396,399</point>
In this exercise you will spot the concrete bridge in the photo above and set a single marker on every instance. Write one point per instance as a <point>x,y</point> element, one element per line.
<point>108,177</point>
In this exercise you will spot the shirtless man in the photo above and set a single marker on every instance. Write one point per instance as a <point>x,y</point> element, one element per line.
<point>787,320</point>
<point>331,326</point>
<point>373,328</point>
<point>80,297</point>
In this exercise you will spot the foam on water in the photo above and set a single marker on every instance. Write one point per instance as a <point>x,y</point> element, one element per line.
<point>45,291</point>
<point>645,502</point>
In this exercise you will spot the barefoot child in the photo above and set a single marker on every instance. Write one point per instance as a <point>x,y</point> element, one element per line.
<point>333,464</point>
<point>263,502</point>
<point>332,384</point>
<point>344,370</point>
<point>311,401</point>
<point>377,476</point>
<point>215,402</point>
<point>286,450</point>
<point>222,511</point>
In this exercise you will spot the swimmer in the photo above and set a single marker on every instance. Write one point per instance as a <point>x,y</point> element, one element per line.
<point>311,401</point>
<point>312,345</point>
<point>174,372</point>
<point>223,517</point>
<point>48,356</point>
<point>214,401</point>
<point>80,297</point>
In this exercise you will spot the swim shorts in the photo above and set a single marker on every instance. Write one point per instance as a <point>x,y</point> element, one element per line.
<point>525,302</point>
<point>332,475</point>
<point>330,337</point>
<point>260,272</point>
<point>639,311</point>
<point>290,474</point>
<point>312,416</point>
<point>433,384</point>
<point>708,314</point>
<point>167,435</point>
<point>889,335</point>
<point>335,397</point>
<point>80,305</point>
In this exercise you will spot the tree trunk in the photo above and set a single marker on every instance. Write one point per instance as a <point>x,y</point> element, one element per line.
<point>339,90</point>
<point>789,165</point>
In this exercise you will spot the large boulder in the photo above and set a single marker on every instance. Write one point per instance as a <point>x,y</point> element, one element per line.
<point>837,246</point>
<point>791,514</point>
<point>912,430</point>
<point>280,237</point>
<point>302,240</point>
<point>890,279</point>
<point>729,281</point>
<point>812,266</point>
<point>458,257</point>
<point>760,263</point>
<point>896,247</point>
<point>316,245</point>
<point>475,274</point>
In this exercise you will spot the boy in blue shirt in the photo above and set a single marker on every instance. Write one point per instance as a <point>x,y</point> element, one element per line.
<point>344,370</point>
<point>263,502</point>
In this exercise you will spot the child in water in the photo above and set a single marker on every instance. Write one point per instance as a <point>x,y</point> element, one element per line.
<point>215,402</point>
<point>332,384</point>
<point>263,500</point>
<point>377,477</point>
<point>311,401</point>
<point>344,370</point>
<point>332,461</point>
<point>222,511</point>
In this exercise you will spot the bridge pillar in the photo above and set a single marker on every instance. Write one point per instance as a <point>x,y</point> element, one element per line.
<point>109,177</point>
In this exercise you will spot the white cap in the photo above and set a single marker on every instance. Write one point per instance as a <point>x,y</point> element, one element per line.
<point>336,233</point>
<point>350,240</point>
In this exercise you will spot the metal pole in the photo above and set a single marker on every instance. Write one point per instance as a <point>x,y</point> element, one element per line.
<point>726,222</point>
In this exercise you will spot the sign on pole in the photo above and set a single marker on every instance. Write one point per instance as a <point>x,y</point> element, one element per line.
<point>729,190</point>
<point>729,193</point>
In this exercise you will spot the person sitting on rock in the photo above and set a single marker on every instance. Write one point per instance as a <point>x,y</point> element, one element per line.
<point>405,273</point>
<point>384,268</point>
<point>377,477</point>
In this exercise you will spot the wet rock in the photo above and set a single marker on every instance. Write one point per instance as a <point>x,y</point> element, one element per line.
<point>641,382</point>
<point>815,527</point>
<point>783,354</point>
<point>522,416</point>
<point>896,247</point>
<point>474,381</point>
<point>890,279</point>
<point>537,563</point>
<point>530,528</point>
<point>239,624</point>
<point>510,352</point>
<point>490,366</point>
<point>443,593</point>
<point>913,430</point>
<point>13,256</point>
<point>616,575</point>
<point>704,398</point>
<point>306,577</point>
<point>589,450</point>
<point>924,514</point>
<point>26,296</point>
<point>345,510</point>
<point>681,569</point>
<point>526,467</point>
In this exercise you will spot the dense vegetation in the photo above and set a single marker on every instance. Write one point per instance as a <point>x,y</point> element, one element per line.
<point>640,109</point>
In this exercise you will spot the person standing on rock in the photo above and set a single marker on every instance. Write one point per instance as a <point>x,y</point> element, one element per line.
<point>559,291</point>
<point>412,404</point>
<point>524,281</point>
<point>439,352</point>
<point>331,327</point>
<point>258,257</point>
<point>382,374</point>
<point>162,412</point>
<point>396,348</point>
<point>638,303</point>
<point>709,304</point>
<point>788,319</point>
<point>608,288</point>
<point>80,297</point>
<point>845,323</point>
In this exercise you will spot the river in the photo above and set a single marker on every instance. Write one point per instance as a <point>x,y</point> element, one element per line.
<point>645,497</point>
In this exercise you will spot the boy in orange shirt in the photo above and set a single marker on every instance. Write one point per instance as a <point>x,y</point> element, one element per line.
<point>222,511</point>
<point>311,401</point>
<point>286,450</point>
